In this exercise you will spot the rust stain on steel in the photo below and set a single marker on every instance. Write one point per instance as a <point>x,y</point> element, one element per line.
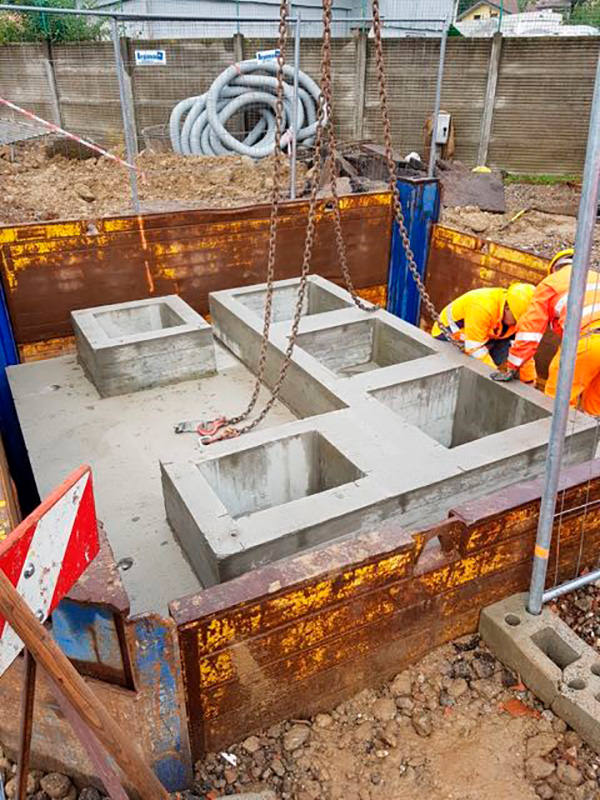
<point>346,615</point>
<point>82,263</point>
<point>101,583</point>
<point>37,351</point>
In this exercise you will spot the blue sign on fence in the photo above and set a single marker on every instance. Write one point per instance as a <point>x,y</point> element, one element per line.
<point>147,57</point>
<point>266,55</point>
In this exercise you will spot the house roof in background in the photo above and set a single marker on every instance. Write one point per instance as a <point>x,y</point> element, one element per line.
<point>510,6</point>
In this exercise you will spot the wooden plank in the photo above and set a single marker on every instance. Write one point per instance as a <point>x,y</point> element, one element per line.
<point>49,656</point>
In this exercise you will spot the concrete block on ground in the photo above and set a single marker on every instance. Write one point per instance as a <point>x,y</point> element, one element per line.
<point>126,347</point>
<point>559,667</point>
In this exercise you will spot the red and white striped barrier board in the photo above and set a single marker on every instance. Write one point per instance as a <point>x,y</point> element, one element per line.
<point>48,552</point>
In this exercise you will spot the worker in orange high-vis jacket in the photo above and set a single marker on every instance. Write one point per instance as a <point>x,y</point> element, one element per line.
<point>549,307</point>
<point>485,320</point>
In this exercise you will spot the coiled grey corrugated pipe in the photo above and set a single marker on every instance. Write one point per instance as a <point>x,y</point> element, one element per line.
<point>197,124</point>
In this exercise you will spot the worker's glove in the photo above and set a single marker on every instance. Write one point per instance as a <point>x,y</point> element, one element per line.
<point>508,375</point>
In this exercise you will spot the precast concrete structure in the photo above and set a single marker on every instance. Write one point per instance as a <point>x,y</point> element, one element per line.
<point>392,424</point>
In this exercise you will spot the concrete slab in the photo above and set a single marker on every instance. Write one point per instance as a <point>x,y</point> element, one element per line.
<point>558,666</point>
<point>65,423</point>
<point>126,347</point>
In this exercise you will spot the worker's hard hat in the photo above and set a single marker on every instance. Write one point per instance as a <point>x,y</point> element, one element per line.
<point>518,298</point>
<point>561,259</point>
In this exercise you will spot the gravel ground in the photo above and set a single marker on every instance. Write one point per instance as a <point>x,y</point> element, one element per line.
<point>456,726</point>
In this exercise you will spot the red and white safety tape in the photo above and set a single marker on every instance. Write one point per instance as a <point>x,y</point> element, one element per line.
<point>51,126</point>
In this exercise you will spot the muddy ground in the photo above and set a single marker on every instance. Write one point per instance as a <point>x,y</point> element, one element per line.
<point>456,726</point>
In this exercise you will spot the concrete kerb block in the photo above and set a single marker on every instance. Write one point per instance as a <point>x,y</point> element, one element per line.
<point>558,666</point>
<point>126,347</point>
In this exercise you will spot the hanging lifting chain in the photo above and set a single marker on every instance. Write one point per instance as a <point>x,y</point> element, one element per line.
<point>224,428</point>
<point>393,179</point>
<point>330,162</point>
<point>227,430</point>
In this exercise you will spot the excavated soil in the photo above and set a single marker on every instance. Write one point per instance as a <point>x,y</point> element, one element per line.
<point>456,726</point>
<point>548,224</point>
<point>35,187</point>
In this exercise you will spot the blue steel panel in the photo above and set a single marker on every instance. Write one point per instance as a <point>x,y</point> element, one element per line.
<point>156,667</point>
<point>87,633</point>
<point>14,444</point>
<point>421,206</point>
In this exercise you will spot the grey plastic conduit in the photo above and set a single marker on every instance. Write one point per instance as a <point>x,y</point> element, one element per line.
<point>197,124</point>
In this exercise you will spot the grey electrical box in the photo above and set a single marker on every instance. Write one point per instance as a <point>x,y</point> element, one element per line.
<point>442,130</point>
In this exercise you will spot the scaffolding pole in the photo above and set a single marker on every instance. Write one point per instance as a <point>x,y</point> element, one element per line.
<point>294,142</point>
<point>586,221</point>
<point>127,114</point>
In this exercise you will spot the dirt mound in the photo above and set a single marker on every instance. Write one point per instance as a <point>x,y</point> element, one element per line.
<point>37,187</point>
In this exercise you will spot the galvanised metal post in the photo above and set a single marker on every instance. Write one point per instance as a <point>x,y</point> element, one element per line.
<point>438,97</point>
<point>583,245</point>
<point>127,120</point>
<point>295,106</point>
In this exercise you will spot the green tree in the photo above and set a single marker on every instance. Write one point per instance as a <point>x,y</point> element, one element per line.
<point>585,12</point>
<point>33,26</point>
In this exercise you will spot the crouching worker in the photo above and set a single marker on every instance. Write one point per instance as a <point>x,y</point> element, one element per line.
<point>485,322</point>
<point>549,307</point>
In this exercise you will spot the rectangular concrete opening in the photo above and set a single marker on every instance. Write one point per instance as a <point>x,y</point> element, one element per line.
<point>137,320</point>
<point>278,472</point>
<point>458,406</point>
<point>361,347</point>
<point>317,300</point>
<point>557,650</point>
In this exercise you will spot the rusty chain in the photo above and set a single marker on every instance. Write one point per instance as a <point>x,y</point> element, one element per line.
<point>275,200</point>
<point>229,432</point>
<point>393,179</point>
<point>330,163</point>
<point>324,120</point>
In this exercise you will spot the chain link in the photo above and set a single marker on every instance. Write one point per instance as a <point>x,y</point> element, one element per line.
<point>307,253</point>
<point>324,123</point>
<point>275,201</point>
<point>331,165</point>
<point>393,179</point>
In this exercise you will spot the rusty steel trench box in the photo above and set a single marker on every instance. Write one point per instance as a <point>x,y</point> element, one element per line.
<point>369,595</point>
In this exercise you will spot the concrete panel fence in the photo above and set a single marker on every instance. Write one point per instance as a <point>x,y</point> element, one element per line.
<point>519,104</point>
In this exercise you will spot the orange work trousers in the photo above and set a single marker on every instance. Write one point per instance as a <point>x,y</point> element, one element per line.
<point>585,391</point>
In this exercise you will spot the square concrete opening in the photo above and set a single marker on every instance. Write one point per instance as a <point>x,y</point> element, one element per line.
<point>361,347</point>
<point>458,406</point>
<point>557,650</point>
<point>136,320</point>
<point>317,300</point>
<point>277,472</point>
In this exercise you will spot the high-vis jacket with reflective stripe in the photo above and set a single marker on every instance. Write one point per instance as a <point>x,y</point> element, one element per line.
<point>549,307</point>
<point>474,318</point>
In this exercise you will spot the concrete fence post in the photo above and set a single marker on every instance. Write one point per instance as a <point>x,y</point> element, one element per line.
<point>238,47</point>
<point>360,82</point>
<point>490,99</point>
<point>52,87</point>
